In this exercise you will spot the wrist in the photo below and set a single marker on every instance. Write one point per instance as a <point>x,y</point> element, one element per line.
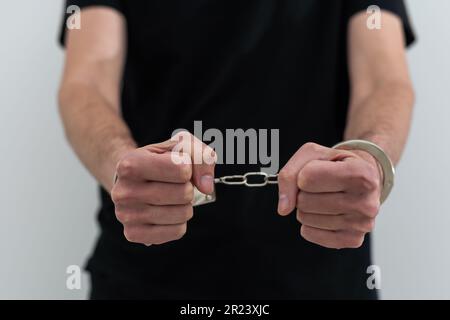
<point>371,159</point>
<point>382,159</point>
<point>379,140</point>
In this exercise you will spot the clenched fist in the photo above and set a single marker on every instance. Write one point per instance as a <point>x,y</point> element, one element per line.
<point>155,188</point>
<point>336,194</point>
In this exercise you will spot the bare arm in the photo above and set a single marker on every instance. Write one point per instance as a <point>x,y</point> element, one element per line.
<point>336,192</point>
<point>382,95</point>
<point>90,93</point>
<point>153,194</point>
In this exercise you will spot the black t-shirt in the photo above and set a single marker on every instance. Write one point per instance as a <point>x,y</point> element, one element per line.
<point>273,64</point>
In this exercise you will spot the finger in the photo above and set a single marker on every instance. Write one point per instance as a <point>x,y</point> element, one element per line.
<point>326,203</point>
<point>338,203</point>
<point>149,214</point>
<point>287,178</point>
<point>351,175</point>
<point>144,164</point>
<point>332,239</point>
<point>323,203</point>
<point>344,222</point>
<point>331,223</point>
<point>153,193</point>
<point>323,176</point>
<point>154,234</point>
<point>203,159</point>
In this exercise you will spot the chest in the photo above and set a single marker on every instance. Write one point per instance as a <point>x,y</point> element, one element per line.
<point>173,25</point>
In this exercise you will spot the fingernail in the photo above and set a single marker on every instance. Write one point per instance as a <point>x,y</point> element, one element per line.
<point>207,183</point>
<point>283,203</point>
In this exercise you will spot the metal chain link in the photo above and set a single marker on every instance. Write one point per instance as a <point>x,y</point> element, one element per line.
<point>244,180</point>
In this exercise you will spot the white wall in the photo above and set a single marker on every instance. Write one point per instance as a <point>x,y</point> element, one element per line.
<point>412,237</point>
<point>47,198</point>
<point>48,201</point>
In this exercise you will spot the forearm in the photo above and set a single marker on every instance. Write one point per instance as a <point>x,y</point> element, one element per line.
<point>95,130</point>
<point>383,117</point>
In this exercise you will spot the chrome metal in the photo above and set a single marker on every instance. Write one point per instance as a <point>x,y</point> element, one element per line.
<point>381,156</point>
<point>256,174</point>
<point>239,180</point>
<point>235,180</point>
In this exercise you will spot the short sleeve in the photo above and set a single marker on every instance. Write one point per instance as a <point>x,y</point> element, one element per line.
<point>397,7</point>
<point>115,4</point>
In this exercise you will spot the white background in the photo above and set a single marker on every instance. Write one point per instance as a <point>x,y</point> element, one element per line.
<point>48,200</point>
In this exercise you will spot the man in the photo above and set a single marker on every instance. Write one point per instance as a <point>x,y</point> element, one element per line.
<point>138,70</point>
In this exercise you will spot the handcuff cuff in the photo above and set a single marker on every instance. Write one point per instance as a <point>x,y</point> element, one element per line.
<point>269,179</point>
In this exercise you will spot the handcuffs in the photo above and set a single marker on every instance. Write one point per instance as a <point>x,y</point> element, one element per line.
<point>266,179</point>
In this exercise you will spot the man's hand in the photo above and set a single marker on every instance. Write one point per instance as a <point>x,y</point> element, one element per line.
<point>155,187</point>
<point>336,193</point>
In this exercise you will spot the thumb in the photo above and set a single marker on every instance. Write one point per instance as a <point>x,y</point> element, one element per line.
<point>203,159</point>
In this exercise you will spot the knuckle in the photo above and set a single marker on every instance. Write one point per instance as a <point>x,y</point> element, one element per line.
<point>348,223</point>
<point>180,231</point>
<point>301,203</point>
<point>131,235</point>
<point>367,179</point>
<point>185,171</point>
<point>370,207</point>
<point>188,193</point>
<point>120,194</point>
<point>188,213</point>
<point>352,242</point>
<point>126,167</point>
<point>287,175</point>
<point>305,177</point>
<point>368,225</point>
<point>115,195</point>
<point>356,242</point>
<point>210,156</point>
<point>124,217</point>
<point>300,217</point>
<point>310,147</point>
<point>300,197</point>
<point>304,233</point>
<point>183,134</point>
<point>363,226</point>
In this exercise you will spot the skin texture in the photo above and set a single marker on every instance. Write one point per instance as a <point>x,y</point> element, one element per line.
<point>89,92</point>
<point>154,202</point>
<point>334,193</point>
